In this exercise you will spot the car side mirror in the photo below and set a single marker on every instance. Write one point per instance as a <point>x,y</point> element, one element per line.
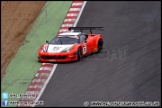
<point>47,41</point>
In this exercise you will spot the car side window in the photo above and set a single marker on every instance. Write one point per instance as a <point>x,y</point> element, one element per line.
<point>82,38</point>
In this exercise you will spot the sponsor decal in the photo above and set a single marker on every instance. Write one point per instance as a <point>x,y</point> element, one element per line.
<point>56,48</point>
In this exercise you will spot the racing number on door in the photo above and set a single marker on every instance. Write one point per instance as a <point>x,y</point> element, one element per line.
<point>84,48</point>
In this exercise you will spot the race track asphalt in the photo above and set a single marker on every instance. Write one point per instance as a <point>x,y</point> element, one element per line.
<point>129,67</point>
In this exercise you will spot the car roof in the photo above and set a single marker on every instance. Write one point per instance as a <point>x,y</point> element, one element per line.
<point>70,33</point>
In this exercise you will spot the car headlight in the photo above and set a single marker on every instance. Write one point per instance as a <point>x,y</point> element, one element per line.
<point>44,47</point>
<point>42,50</point>
<point>67,49</point>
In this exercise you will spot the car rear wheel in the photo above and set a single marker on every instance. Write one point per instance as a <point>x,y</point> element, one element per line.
<point>100,46</point>
<point>79,54</point>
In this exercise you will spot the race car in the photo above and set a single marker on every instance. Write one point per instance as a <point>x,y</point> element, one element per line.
<point>71,46</point>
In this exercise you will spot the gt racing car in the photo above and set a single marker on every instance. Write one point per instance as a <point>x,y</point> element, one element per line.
<point>71,46</point>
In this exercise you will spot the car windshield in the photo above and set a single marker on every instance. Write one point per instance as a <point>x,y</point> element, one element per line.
<point>68,39</point>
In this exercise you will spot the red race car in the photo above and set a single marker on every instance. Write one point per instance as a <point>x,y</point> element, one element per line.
<point>71,46</point>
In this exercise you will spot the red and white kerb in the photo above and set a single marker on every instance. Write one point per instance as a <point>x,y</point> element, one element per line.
<point>46,70</point>
<point>71,16</point>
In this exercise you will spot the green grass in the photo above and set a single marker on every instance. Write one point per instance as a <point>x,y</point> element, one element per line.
<point>24,65</point>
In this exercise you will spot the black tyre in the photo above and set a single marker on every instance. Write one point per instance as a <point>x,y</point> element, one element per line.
<point>39,60</point>
<point>100,46</point>
<point>79,54</point>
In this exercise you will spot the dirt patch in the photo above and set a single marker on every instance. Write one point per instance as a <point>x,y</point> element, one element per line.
<point>17,17</point>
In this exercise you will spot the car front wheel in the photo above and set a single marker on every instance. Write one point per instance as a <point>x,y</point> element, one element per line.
<point>79,54</point>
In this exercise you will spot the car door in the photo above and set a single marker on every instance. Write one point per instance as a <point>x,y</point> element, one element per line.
<point>85,44</point>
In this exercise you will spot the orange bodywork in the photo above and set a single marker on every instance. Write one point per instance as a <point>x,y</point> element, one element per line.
<point>57,57</point>
<point>91,47</point>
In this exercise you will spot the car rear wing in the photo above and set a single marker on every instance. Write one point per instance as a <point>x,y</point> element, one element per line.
<point>86,28</point>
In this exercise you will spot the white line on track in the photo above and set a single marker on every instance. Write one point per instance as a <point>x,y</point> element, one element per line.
<point>80,13</point>
<point>45,84</point>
